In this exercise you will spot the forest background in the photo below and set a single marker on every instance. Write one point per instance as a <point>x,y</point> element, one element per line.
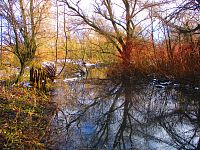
<point>153,37</point>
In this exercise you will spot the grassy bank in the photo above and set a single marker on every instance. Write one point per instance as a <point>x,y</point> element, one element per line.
<point>24,118</point>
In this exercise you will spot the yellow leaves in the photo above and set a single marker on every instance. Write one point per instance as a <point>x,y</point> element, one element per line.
<point>14,107</point>
<point>31,113</point>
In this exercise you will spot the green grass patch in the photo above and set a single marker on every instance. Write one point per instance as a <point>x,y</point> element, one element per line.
<point>24,118</point>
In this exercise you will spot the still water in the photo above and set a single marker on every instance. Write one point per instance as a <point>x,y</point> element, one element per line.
<point>124,113</point>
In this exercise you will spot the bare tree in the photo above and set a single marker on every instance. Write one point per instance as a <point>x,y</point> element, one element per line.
<point>1,40</point>
<point>115,20</point>
<point>57,29</point>
<point>184,18</point>
<point>24,18</point>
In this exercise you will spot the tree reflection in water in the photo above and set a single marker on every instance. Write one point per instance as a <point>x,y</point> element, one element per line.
<point>126,114</point>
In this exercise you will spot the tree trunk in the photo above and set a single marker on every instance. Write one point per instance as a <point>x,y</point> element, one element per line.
<point>19,78</point>
<point>126,56</point>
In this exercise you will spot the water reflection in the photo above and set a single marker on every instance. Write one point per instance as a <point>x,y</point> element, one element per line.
<point>125,114</point>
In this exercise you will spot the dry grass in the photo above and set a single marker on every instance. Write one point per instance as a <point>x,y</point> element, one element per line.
<point>25,118</point>
<point>183,65</point>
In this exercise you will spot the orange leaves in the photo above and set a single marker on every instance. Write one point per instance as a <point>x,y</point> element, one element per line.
<point>180,60</point>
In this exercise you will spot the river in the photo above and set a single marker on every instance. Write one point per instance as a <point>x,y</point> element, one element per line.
<point>124,113</point>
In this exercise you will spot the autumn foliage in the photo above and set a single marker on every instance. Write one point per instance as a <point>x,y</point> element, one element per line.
<point>181,62</point>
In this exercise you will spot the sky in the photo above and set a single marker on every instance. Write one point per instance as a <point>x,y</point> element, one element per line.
<point>87,7</point>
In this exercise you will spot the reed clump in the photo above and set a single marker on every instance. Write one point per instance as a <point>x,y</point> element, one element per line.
<point>181,62</point>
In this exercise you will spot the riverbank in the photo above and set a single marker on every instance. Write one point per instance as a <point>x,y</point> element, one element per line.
<point>25,118</point>
<point>152,72</point>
